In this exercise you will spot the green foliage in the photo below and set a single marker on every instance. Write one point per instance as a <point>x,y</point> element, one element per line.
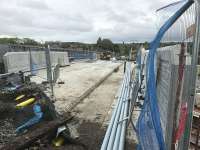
<point>28,41</point>
<point>146,45</point>
<point>116,49</point>
<point>106,44</point>
<point>124,48</point>
<point>25,41</point>
<point>101,45</point>
<point>99,42</point>
<point>8,40</point>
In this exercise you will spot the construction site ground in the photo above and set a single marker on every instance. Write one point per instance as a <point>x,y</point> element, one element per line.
<point>89,93</point>
<point>79,79</point>
<point>93,113</point>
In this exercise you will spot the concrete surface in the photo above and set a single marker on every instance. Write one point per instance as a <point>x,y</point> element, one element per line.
<point>96,106</point>
<point>16,61</point>
<point>99,105</point>
<point>80,79</point>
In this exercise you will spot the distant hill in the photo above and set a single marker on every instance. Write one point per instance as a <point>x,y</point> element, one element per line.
<point>100,45</point>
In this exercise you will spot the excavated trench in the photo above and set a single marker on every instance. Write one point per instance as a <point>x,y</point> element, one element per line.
<point>91,135</point>
<point>11,117</point>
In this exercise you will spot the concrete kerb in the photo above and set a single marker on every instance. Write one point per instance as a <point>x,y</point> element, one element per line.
<point>91,89</point>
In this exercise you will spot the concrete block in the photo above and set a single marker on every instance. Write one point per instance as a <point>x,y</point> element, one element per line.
<point>16,61</point>
<point>167,64</point>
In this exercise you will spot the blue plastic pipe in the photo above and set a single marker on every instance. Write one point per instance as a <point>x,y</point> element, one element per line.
<point>38,116</point>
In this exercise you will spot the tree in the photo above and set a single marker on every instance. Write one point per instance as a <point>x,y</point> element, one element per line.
<point>146,45</point>
<point>105,44</point>
<point>8,40</point>
<point>28,41</point>
<point>99,42</point>
<point>116,49</point>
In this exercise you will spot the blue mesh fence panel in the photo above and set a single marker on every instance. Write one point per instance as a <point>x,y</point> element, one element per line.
<point>82,55</point>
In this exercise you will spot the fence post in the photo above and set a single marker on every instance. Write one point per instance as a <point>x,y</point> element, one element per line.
<point>49,69</point>
<point>30,61</point>
<point>124,66</point>
<point>193,77</point>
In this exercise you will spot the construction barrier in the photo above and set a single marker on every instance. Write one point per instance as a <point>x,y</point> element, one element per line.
<point>25,61</point>
<point>162,124</point>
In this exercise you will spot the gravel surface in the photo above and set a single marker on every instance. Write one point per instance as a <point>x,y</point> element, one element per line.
<point>7,130</point>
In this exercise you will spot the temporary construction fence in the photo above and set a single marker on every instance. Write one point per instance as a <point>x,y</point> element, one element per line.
<point>9,52</point>
<point>166,116</point>
<point>167,75</point>
<point>167,71</point>
<point>30,61</point>
<point>82,55</point>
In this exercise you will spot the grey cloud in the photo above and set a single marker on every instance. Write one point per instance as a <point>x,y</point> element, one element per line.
<point>77,20</point>
<point>60,22</point>
<point>33,4</point>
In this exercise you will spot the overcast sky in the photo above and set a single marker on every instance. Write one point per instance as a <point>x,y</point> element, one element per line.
<point>80,20</point>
